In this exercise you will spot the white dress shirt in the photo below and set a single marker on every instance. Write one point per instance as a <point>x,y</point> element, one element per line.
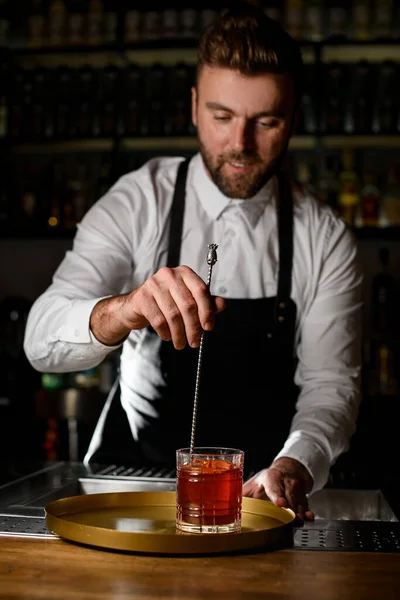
<point>123,240</point>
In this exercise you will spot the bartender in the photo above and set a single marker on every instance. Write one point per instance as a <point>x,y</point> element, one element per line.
<point>281,360</point>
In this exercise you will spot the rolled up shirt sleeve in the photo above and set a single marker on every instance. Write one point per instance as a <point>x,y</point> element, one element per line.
<point>58,337</point>
<point>329,361</point>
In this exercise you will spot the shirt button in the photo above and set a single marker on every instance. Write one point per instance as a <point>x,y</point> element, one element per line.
<point>222,290</point>
<point>76,332</point>
<point>230,233</point>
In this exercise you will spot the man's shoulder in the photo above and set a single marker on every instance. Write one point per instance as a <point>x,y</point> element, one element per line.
<point>160,170</point>
<point>321,221</point>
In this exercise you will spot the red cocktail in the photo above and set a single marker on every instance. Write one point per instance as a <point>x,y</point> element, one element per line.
<point>209,490</point>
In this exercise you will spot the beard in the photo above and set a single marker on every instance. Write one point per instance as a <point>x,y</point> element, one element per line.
<point>241,185</point>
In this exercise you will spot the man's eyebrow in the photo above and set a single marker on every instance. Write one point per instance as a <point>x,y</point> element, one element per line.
<point>264,113</point>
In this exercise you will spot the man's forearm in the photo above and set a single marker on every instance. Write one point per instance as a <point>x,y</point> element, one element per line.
<point>105,325</point>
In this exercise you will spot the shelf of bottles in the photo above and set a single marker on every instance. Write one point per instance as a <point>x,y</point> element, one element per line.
<point>104,86</point>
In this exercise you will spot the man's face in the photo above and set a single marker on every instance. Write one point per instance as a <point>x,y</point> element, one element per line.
<point>244,124</point>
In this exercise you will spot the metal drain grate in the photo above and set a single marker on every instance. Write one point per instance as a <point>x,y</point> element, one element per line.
<point>351,537</point>
<point>139,471</point>
<point>24,526</point>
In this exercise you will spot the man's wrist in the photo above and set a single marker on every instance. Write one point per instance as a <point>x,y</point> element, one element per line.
<point>104,324</point>
<point>292,466</point>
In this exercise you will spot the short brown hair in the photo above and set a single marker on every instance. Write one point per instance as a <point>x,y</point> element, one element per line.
<point>244,38</point>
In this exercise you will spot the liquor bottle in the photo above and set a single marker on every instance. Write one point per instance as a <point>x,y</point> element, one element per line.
<point>132,25</point>
<point>108,101</point>
<point>362,21</point>
<point>86,91</point>
<point>384,321</point>
<point>36,24</point>
<point>95,21</point>
<point>57,23</point>
<point>383,19</point>
<point>78,192</point>
<point>29,202</point>
<point>333,107</point>
<point>57,190</point>
<point>170,23</point>
<point>348,192</point>
<point>386,102</point>
<point>390,214</point>
<point>274,10</point>
<point>206,17</point>
<point>329,185</point>
<point>370,201</point>
<point>303,177</point>
<point>110,22</point>
<point>179,111</point>
<point>38,114</point>
<point>188,20</point>
<point>63,121</point>
<point>16,124</point>
<point>132,102</point>
<point>151,24</point>
<point>337,23</point>
<point>314,20</point>
<point>155,95</point>
<point>4,23</point>
<point>77,23</point>
<point>293,18</point>
<point>308,120</point>
<point>358,112</point>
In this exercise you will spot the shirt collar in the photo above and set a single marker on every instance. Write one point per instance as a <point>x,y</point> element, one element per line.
<point>215,203</point>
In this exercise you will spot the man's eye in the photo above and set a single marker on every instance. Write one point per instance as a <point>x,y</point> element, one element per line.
<point>267,124</point>
<point>221,118</point>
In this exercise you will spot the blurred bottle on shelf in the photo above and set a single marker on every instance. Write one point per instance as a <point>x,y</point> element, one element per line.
<point>337,20</point>
<point>294,18</point>
<point>132,101</point>
<point>307,123</point>
<point>370,202</point>
<point>189,26</point>
<point>383,380</point>
<point>304,177</point>
<point>151,22</point>
<point>108,102</point>
<point>333,101</point>
<point>348,192</point>
<point>77,23</point>
<point>4,23</point>
<point>358,110</point>
<point>179,110</point>
<point>95,23</point>
<point>386,102</point>
<point>29,202</point>
<point>132,24</point>
<point>390,215</point>
<point>314,20</point>
<point>57,193</point>
<point>86,91</point>
<point>157,121</point>
<point>64,123</point>
<point>383,20</point>
<point>362,20</point>
<point>57,23</point>
<point>328,191</point>
<point>207,16</point>
<point>37,21</point>
<point>110,22</point>
<point>170,23</point>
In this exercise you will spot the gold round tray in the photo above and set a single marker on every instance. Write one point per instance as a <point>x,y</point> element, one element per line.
<point>145,522</point>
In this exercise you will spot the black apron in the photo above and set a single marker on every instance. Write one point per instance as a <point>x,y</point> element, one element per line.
<point>247,394</point>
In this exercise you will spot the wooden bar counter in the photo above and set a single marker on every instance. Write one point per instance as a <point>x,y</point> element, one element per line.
<point>52,569</point>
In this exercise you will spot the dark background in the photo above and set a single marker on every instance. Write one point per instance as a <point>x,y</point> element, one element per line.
<point>91,90</point>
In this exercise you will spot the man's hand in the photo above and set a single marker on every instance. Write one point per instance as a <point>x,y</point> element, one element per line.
<point>285,483</point>
<point>175,302</point>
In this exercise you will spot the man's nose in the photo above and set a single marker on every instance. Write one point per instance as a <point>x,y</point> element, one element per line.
<point>243,136</point>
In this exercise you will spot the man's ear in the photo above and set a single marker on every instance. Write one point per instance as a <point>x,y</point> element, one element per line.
<point>194,106</point>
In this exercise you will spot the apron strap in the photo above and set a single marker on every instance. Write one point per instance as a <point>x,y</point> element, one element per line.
<point>285,228</point>
<point>177,214</point>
